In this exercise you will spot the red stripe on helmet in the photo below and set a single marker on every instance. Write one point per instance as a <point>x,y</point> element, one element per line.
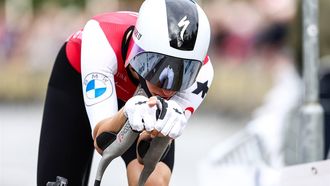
<point>207,59</point>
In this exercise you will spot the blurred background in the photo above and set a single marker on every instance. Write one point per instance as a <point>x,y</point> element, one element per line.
<point>256,51</point>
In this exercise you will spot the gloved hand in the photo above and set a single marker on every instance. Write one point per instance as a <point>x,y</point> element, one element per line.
<point>171,120</point>
<point>140,114</point>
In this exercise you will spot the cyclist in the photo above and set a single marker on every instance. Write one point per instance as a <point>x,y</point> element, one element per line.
<point>163,48</point>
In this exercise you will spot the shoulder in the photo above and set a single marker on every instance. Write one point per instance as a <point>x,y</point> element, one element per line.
<point>120,17</point>
<point>112,25</point>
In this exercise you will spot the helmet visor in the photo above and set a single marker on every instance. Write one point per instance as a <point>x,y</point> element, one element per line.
<point>167,72</point>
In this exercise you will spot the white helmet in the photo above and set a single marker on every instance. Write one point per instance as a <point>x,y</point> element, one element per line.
<point>169,43</point>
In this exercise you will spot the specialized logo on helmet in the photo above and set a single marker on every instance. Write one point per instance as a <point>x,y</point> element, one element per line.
<point>184,24</point>
<point>97,87</point>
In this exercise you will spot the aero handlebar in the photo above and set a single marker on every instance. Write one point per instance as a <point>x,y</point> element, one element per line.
<point>122,141</point>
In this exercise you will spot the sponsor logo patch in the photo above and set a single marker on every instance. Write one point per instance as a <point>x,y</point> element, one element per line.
<point>137,34</point>
<point>97,87</point>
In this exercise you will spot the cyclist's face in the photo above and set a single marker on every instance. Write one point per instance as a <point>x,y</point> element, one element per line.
<point>156,91</point>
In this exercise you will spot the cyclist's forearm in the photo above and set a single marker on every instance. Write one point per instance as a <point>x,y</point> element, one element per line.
<point>112,124</point>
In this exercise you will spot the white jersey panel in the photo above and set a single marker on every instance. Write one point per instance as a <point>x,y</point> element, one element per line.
<point>191,98</point>
<point>98,66</point>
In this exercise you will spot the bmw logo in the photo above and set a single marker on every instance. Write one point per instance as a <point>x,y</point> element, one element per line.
<point>97,88</point>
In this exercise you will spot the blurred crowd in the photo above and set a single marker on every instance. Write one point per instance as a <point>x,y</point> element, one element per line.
<point>240,28</point>
<point>249,39</point>
<point>250,46</point>
<point>243,29</point>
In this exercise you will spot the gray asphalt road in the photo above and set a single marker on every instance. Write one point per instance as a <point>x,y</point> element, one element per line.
<point>19,138</point>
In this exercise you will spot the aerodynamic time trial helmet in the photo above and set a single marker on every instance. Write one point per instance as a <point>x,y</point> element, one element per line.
<point>169,43</point>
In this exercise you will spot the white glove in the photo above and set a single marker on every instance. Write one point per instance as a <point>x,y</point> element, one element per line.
<point>172,120</point>
<point>140,115</point>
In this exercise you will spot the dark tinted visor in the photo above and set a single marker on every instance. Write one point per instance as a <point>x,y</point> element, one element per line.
<point>165,71</point>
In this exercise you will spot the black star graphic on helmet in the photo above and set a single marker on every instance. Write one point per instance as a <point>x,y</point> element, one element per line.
<point>201,87</point>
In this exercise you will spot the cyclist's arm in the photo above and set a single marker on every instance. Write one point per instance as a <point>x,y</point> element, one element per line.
<point>114,124</point>
<point>98,66</point>
<point>191,98</point>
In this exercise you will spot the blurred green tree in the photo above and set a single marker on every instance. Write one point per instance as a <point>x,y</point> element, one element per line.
<point>37,4</point>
